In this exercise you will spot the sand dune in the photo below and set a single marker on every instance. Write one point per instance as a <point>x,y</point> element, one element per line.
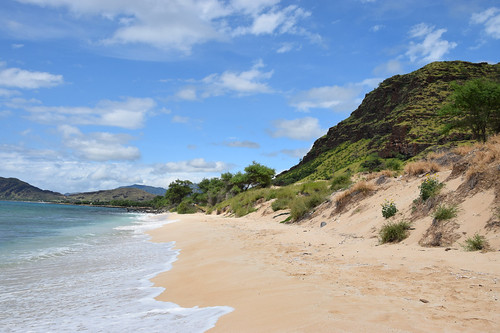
<point>337,278</point>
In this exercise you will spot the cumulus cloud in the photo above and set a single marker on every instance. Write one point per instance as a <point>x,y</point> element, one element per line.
<point>391,67</point>
<point>179,24</point>
<point>252,81</point>
<point>242,144</point>
<point>38,167</point>
<point>180,119</point>
<point>432,47</point>
<point>298,129</point>
<point>275,20</point>
<point>100,146</point>
<point>490,18</point>
<point>295,153</point>
<point>197,165</point>
<point>337,98</point>
<point>129,113</point>
<point>285,47</point>
<point>24,79</point>
<point>187,93</point>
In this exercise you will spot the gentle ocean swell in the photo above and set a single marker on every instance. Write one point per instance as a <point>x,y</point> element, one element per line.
<point>97,282</point>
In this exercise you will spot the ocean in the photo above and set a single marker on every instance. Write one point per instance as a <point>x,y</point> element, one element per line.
<point>66,268</point>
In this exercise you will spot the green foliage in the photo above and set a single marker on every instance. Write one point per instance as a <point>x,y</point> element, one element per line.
<point>159,202</point>
<point>389,209</point>
<point>373,163</point>
<point>394,232</point>
<point>474,105</point>
<point>444,212</point>
<point>298,209</point>
<point>280,204</point>
<point>394,164</point>
<point>475,243</point>
<point>341,182</point>
<point>178,190</point>
<point>401,112</point>
<point>186,207</point>
<point>429,188</point>
<point>259,175</point>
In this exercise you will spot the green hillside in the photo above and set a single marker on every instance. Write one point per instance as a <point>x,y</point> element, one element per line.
<point>396,120</point>
<point>15,189</point>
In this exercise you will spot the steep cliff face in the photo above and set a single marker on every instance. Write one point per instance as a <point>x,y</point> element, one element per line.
<point>396,119</point>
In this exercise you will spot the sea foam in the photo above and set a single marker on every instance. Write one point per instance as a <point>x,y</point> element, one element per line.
<point>97,281</point>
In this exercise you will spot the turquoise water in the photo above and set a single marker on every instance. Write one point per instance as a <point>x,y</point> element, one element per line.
<point>70,268</point>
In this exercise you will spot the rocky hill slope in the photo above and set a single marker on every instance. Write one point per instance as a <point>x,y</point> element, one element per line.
<point>397,119</point>
<point>15,189</point>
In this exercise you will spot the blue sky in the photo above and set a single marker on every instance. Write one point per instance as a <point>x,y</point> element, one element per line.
<point>96,94</point>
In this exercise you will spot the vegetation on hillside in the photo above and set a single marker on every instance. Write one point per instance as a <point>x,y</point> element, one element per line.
<point>398,120</point>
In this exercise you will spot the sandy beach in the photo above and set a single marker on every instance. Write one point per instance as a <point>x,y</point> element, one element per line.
<point>304,278</point>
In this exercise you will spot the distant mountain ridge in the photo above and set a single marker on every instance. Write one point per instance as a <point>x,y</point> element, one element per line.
<point>15,189</point>
<point>397,119</point>
<point>18,190</point>
<point>150,189</point>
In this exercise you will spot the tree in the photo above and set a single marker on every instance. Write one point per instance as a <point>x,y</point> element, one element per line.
<point>178,190</point>
<point>259,175</point>
<point>474,105</point>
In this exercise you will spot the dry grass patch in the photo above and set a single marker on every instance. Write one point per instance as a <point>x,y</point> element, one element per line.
<point>421,167</point>
<point>362,188</point>
<point>463,150</point>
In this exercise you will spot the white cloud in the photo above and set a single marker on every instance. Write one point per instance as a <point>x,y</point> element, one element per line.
<point>377,27</point>
<point>432,47</point>
<point>181,24</point>
<point>129,113</point>
<point>242,144</point>
<point>295,153</point>
<point>490,18</point>
<point>247,82</point>
<point>197,165</point>
<point>187,93</point>
<point>298,129</point>
<point>51,170</point>
<point>8,92</point>
<point>337,98</point>
<point>252,81</point>
<point>391,67</point>
<point>285,47</point>
<point>276,21</point>
<point>100,146</point>
<point>180,120</point>
<point>24,79</point>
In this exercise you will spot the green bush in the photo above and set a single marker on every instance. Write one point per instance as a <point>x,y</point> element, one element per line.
<point>475,243</point>
<point>429,188</point>
<point>389,209</point>
<point>394,165</point>
<point>280,204</point>
<point>298,209</point>
<point>394,232</point>
<point>444,212</point>
<point>340,182</point>
<point>186,208</point>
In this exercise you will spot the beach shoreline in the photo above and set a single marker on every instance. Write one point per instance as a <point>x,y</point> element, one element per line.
<point>303,278</point>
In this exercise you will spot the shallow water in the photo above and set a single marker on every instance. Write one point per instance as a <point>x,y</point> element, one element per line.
<point>74,268</point>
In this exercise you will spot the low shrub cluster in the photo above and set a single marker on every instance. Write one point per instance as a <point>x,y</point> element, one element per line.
<point>444,212</point>
<point>429,188</point>
<point>389,209</point>
<point>341,182</point>
<point>475,243</point>
<point>394,232</point>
